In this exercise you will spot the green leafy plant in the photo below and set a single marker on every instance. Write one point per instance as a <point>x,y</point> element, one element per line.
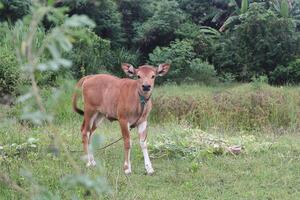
<point>260,43</point>
<point>180,53</point>
<point>89,53</point>
<point>287,74</point>
<point>202,72</point>
<point>10,73</point>
<point>39,56</point>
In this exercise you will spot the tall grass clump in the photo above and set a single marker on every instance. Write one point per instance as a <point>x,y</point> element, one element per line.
<point>243,107</point>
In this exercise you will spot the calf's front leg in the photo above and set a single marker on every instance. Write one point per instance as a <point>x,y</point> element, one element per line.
<point>143,142</point>
<point>127,145</point>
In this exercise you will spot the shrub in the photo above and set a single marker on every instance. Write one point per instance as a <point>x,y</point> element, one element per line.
<point>260,43</point>
<point>202,72</point>
<point>116,57</point>
<point>10,72</point>
<point>181,53</point>
<point>89,53</point>
<point>159,29</point>
<point>14,9</point>
<point>204,38</point>
<point>287,74</point>
<point>103,13</point>
<point>186,67</point>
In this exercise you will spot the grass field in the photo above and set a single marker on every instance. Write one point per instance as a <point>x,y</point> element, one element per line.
<point>44,162</point>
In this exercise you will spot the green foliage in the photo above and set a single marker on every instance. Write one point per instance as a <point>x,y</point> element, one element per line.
<point>12,10</point>
<point>10,72</point>
<point>227,77</point>
<point>260,35</point>
<point>185,64</point>
<point>284,8</point>
<point>258,82</point>
<point>134,13</point>
<point>202,72</point>
<point>201,12</point>
<point>244,6</point>
<point>180,53</point>
<point>19,150</point>
<point>105,15</point>
<point>287,74</point>
<point>188,30</point>
<point>159,29</point>
<point>258,45</point>
<point>88,54</point>
<point>116,57</point>
<point>37,55</point>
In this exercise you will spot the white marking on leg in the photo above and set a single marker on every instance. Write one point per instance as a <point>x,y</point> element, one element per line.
<point>128,164</point>
<point>90,157</point>
<point>93,118</point>
<point>98,120</point>
<point>142,127</point>
<point>148,165</point>
<point>128,126</point>
<point>143,143</point>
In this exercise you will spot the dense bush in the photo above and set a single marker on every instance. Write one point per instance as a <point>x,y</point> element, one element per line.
<point>202,72</point>
<point>104,13</point>
<point>159,29</point>
<point>116,57</point>
<point>89,53</point>
<point>10,72</point>
<point>264,41</point>
<point>287,74</point>
<point>180,54</point>
<point>14,9</point>
<point>260,43</point>
<point>134,13</point>
<point>12,37</point>
<point>186,67</point>
<point>201,11</point>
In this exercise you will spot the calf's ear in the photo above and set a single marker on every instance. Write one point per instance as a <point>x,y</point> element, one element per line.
<point>129,69</point>
<point>162,69</point>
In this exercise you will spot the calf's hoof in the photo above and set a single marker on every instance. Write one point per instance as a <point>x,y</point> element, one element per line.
<point>91,163</point>
<point>150,171</point>
<point>127,172</point>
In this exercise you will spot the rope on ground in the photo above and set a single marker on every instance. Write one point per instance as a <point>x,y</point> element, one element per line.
<point>102,148</point>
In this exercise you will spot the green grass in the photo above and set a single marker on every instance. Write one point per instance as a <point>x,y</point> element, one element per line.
<point>267,173</point>
<point>271,174</point>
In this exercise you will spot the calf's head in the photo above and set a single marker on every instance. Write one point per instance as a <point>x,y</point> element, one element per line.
<point>146,75</point>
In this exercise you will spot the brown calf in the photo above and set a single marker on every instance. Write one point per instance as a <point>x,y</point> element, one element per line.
<point>125,100</point>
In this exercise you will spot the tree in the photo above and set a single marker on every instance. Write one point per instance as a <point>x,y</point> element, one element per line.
<point>260,43</point>
<point>186,66</point>
<point>104,13</point>
<point>159,29</point>
<point>134,13</point>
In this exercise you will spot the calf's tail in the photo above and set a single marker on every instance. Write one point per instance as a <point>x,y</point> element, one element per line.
<point>75,95</point>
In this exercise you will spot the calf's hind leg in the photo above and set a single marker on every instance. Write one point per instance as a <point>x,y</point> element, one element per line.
<point>94,123</point>
<point>86,131</point>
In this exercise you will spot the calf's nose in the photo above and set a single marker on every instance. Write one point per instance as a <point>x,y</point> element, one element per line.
<point>146,87</point>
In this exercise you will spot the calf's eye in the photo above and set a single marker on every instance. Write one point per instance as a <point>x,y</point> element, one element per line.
<point>138,76</point>
<point>153,77</point>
